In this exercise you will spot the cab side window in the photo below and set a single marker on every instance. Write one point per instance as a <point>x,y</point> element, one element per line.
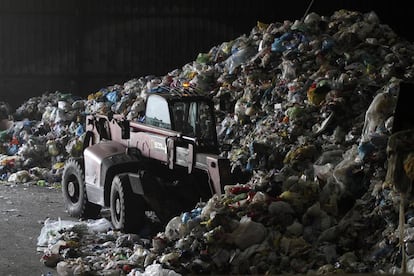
<point>182,118</point>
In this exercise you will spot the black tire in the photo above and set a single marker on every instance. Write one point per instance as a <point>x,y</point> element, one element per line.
<point>74,191</point>
<point>127,208</point>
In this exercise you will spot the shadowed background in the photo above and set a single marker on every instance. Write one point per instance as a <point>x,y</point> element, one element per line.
<point>78,46</point>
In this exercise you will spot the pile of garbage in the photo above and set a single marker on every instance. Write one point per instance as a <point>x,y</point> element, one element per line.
<point>39,136</point>
<point>308,108</point>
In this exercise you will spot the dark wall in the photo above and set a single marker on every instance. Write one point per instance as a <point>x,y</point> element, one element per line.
<point>81,46</point>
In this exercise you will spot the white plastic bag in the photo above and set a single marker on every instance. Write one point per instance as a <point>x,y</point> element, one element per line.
<point>50,231</point>
<point>154,270</point>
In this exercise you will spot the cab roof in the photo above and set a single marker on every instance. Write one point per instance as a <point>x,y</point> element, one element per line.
<point>172,93</point>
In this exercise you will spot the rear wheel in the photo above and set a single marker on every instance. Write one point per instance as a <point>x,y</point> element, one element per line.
<point>74,191</point>
<point>127,208</point>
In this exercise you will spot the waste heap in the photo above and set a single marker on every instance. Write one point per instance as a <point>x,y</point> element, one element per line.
<point>307,106</point>
<point>37,138</point>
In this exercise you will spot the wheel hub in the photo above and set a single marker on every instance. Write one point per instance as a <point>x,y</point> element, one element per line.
<point>118,206</point>
<point>71,189</point>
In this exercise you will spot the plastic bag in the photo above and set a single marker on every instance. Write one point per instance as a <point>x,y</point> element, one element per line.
<point>345,171</point>
<point>174,229</point>
<point>154,270</point>
<point>22,176</point>
<point>136,109</point>
<point>74,147</point>
<point>288,70</point>
<point>112,96</point>
<point>378,112</point>
<point>323,172</point>
<point>239,57</point>
<point>99,225</point>
<point>247,233</point>
<point>50,230</point>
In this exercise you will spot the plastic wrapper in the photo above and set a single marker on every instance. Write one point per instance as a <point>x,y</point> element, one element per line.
<point>240,56</point>
<point>381,107</point>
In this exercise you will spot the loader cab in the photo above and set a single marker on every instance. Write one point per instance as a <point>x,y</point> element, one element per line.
<point>191,116</point>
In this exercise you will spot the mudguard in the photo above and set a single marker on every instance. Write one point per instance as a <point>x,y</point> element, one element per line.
<point>102,162</point>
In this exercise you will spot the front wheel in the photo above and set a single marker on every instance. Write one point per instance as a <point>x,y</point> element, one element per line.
<point>74,192</point>
<point>127,208</point>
